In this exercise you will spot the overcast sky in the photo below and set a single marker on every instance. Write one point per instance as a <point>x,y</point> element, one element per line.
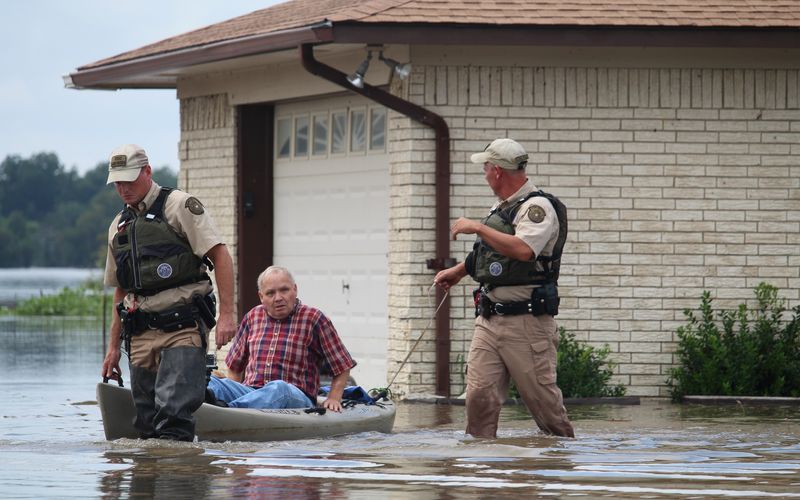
<point>42,40</point>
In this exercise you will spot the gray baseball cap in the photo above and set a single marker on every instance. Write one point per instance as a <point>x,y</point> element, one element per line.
<point>506,153</point>
<point>125,163</point>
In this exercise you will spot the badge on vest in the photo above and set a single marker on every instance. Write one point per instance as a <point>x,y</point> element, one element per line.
<point>164,270</point>
<point>495,269</point>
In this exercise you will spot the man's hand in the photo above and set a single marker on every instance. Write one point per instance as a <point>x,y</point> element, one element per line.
<point>464,226</point>
<point>449,277</point>
<point>226,329</point>
<point>332,404</point>
<point>111,369</point>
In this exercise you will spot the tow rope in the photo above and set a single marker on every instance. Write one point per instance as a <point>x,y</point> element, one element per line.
<point>385,392</point>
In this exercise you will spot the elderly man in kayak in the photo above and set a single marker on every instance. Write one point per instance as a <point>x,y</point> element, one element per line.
<point>276,356</point>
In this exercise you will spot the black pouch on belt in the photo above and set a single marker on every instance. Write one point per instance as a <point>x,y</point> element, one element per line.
<point>545,300</point>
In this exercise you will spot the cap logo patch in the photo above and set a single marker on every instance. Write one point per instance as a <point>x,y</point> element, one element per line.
<point>118,161</point>
<point>536,214</point>
<point>164,270</point>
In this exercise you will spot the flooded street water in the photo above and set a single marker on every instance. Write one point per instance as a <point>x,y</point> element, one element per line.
<point>52,446</point>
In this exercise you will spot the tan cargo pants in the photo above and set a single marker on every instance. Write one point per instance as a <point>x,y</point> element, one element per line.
<point>522,347</point>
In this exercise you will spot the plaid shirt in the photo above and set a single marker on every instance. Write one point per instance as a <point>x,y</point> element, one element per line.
<point>292,349</point>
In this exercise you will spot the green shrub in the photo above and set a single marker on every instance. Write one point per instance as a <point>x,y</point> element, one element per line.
<point>742,353</point>
<point>583,371</point>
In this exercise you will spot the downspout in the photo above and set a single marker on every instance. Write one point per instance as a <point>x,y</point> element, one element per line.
<point>442,190</point>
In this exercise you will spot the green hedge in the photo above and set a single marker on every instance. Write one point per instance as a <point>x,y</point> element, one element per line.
<point>583,371</point>
<point>744,352</point>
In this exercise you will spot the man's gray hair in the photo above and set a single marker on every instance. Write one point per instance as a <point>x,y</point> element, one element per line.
<point>273,269</point>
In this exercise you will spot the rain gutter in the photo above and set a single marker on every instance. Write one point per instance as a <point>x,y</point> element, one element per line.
<point>442,190</point>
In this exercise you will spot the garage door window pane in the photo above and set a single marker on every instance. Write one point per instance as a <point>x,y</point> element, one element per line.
<point>320,135</point>
<point>283,140</point>
<point>358,131</point>
<point>339,133</point>
<point>377,128</point>
<point>301,136</point>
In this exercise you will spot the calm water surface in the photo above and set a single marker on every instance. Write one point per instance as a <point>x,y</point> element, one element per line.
<point>52,446</point>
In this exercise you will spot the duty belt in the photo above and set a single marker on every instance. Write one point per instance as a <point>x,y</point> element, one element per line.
<point>486,308</point>
<point>185,316</point>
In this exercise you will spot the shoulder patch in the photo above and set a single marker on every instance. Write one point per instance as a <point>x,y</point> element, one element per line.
<point>194,205</point>
<point>536,213</point>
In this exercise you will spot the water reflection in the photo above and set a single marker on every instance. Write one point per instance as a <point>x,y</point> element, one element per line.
<point>52,445</point>
<point>158,473</point>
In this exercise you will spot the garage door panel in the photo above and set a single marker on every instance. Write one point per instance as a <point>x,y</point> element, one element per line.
<point>331,230</point>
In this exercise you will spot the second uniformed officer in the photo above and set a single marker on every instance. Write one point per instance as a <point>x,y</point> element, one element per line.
<point>160,246</point>
<point>515,260</point>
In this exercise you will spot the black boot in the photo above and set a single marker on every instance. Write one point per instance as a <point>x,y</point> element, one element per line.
<point>143,390</point>
<point>211,399</point>
<point>179,392</point>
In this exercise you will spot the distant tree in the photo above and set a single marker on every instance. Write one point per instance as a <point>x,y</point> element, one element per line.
<point>20,235</point>
<point>164,176</point>
<point>50,216</point>
<point>31,186</point>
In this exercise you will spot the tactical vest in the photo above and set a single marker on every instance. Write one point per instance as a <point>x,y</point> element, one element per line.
<point>150,255</point>
<point>490,267</point>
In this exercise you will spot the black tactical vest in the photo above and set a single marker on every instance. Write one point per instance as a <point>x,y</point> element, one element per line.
<point>150,255</point>
<point>490,267</point>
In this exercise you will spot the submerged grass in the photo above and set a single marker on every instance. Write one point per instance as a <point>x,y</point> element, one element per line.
<point>88,299</point>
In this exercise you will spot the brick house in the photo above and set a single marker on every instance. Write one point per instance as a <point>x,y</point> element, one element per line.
<point>671,129</point>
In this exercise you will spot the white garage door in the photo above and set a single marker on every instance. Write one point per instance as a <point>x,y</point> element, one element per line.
<point>332,216</point>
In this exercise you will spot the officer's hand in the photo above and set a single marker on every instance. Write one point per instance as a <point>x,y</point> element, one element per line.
<point>226,329</point>
<point>464,226</point>
<point>447,278</point>
<point>111,369</point>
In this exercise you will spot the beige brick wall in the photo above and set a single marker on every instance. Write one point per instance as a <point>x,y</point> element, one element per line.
<point>208,160</point>
<point>677,181</point>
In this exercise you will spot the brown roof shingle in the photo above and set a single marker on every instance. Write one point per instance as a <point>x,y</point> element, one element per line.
<point>580,13</point>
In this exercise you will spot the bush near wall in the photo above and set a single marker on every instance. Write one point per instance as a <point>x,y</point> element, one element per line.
<point>744,352</point>
<point>583,371</point>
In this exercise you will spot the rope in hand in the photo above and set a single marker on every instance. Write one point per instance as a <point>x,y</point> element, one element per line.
<point>424,330</point>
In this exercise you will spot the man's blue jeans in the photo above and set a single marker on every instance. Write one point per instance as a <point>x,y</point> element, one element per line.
<point>276,394</point>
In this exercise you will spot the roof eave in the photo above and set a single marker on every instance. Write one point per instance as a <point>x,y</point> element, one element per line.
<point>147,72</point>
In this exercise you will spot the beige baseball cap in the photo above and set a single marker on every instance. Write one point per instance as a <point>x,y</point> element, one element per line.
<point>125,163</point>
<point>506,153</point>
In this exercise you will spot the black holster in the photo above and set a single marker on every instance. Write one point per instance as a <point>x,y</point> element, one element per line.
<point>127,326</point>
<point>207,308</point>
<point>483,306</point>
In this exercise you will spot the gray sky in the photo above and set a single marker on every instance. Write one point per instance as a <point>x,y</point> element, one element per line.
<point>42,40</point>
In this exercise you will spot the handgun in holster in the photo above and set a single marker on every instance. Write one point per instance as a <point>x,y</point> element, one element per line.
<point>207,307</point>
<point>483,306</point>
<point>127,326</point>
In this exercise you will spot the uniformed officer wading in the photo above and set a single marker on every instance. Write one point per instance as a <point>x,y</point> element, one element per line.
<point>515,259</point>
<point>159,247</point>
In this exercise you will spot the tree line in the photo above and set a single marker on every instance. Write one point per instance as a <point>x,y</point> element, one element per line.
<point>51,216</point>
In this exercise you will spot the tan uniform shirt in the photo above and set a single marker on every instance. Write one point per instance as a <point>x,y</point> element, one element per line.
<point>199,230</point>
<point>540,236</point>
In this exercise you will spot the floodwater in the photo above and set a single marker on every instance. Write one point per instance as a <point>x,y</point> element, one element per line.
<point>52,446</point>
